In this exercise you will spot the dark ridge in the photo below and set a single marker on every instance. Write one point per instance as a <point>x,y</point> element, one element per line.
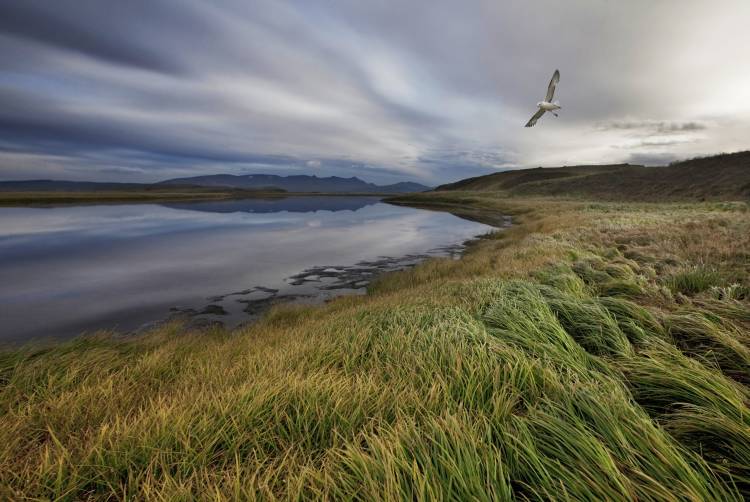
<point>252,182</point>
<point>297,183</point>
<point>719,177</point>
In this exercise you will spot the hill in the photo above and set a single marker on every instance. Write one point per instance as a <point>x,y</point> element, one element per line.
<point>719,177</point>
<point>297,183</point>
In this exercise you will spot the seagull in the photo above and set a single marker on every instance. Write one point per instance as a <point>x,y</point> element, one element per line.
<point>547,105</point>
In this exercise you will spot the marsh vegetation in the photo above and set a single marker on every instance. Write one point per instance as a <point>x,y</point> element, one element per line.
<point>596,350</point>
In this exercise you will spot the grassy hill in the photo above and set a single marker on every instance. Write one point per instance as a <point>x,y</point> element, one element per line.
<point>596,350</point>
<point>721,177</point>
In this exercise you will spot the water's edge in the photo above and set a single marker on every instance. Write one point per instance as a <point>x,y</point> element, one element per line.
<point>328,281</point>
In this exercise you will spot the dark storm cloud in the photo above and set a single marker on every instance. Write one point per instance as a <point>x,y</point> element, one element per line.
<point>431,91</point>
<point>101,30</point>
<point>28,121</point>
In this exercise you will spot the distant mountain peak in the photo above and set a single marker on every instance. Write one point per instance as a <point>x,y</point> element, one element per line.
<point>297,183</point>
<point>293,183</point>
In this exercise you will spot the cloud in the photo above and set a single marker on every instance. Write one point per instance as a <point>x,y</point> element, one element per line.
<point>653,126</point>
<point>652,158</point>
<point>655,142</point>
<point>664,141</point>
<point>93,29</point>
<point>431,91</point>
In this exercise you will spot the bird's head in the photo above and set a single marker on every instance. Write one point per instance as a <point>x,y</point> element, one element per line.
<point>539,104</point>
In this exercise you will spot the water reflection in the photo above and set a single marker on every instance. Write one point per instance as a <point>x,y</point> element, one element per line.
<point>301,204</point>
<point>70,269</point>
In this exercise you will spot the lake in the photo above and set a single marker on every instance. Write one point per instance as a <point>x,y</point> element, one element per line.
<point>65,270</point>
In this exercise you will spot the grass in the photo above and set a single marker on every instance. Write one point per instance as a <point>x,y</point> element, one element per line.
<point>694,280</point>
<point>558,360</point>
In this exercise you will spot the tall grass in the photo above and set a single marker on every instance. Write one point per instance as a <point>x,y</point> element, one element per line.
<point>518,372</point>
<point>694,280</point>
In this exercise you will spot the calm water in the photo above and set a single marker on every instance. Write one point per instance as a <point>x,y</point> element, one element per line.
<point>69,269</point>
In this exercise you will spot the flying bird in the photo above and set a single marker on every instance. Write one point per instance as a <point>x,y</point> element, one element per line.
<point>547,105</point>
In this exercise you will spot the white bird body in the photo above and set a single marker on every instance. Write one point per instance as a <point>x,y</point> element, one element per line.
<point>547,105</point>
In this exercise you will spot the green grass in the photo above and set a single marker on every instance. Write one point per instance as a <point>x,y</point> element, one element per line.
<point>694,280</point>
<point>553,362</point>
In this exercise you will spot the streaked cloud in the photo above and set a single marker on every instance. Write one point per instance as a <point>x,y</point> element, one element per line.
<point>428,91</point>
<point>653,126</point>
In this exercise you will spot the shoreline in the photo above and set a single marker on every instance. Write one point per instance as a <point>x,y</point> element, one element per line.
<point>493,218</point>
<point>347,280</point>
<point>351,280</point>
<point>46,199</point>
<point>325,284</point>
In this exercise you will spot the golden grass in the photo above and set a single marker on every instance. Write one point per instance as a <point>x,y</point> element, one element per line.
<point>554,361</point>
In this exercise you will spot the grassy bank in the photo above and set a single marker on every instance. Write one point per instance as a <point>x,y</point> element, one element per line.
<point>593,351</point>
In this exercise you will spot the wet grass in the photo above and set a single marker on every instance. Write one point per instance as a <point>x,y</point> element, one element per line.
<point>555,361</point>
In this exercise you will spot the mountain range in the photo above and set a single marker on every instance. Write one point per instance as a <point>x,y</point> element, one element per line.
<point>296,183</point>
<point>255,182</point>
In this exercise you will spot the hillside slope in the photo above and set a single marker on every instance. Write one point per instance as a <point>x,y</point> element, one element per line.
<point>719,177</point>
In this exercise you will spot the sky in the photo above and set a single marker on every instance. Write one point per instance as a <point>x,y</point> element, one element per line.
<point>421,90</point>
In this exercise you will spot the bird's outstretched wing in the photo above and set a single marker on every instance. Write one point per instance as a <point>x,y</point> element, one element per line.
<point>551,86</point>
<point>534,118</point>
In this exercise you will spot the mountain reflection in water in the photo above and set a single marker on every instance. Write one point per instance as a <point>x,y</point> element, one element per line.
<point>297,204</point>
